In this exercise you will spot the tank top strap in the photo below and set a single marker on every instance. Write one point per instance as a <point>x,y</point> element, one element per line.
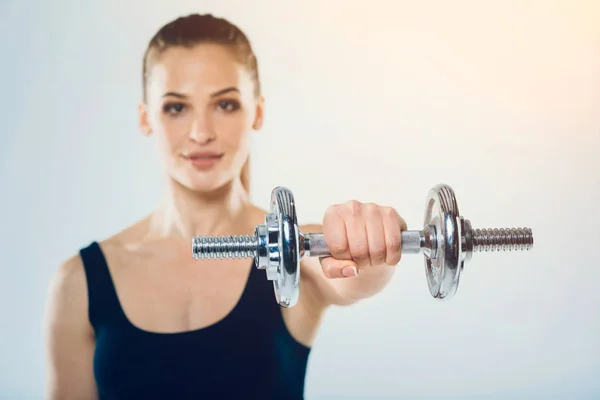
<point>103,303</point>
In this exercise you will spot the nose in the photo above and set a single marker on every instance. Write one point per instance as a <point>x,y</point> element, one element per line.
<point>201,130</point>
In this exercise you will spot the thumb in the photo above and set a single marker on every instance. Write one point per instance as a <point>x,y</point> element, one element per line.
<point>334,268</point>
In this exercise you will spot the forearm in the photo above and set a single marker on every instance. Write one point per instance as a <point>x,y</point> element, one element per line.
<point>369,282</point>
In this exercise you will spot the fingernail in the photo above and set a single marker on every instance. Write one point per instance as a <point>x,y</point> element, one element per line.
<point>349,271</point>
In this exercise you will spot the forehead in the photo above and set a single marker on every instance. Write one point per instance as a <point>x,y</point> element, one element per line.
<point>202,68</point>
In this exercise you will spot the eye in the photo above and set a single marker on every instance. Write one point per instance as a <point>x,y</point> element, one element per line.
<point>174,108</point>
<point>229,105</point>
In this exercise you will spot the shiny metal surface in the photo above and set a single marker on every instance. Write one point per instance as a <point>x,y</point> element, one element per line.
<point>446,241</point>
<point>444,264</point>
<point>216,247</point>
<point>413,242</point>
<point>285,273</point>
<point>502,239</point>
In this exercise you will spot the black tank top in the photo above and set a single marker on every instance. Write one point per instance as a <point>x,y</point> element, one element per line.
<point>247,355</point>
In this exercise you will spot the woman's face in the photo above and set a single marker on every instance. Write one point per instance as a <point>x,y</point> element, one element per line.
<point>201,106</point>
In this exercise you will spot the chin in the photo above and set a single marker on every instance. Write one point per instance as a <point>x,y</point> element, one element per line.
<point>203,183</point>
<point>202,178</point>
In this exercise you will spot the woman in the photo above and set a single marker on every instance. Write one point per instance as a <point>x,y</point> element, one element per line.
<point>135,316</point>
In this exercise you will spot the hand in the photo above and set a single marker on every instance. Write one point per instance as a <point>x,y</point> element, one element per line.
<point>359,236</point>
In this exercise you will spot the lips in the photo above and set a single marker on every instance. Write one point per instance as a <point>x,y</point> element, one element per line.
<point>203,156</point>
<point>203,160</point>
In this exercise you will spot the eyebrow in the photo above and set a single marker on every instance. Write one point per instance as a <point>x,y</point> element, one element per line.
<point>218,93</point>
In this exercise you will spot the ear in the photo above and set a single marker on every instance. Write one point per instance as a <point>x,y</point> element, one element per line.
<point>143,120</point>
<point>260,112</point>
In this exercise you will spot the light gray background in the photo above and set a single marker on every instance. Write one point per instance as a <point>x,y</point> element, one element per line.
<point>375,101</point>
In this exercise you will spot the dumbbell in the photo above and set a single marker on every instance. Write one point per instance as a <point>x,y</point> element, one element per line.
<point>446,241</point>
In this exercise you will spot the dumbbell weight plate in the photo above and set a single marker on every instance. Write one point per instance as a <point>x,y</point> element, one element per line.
<point>285,274</point>
<point>445,228</point>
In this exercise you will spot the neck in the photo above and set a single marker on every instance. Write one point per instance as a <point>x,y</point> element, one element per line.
<point>184,213</point>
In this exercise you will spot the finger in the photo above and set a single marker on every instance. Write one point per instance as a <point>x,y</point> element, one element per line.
<point>334,268</point>
<point>334,233</point>
<point>375,233</point>
<point>393,225</point>
<point>357,233</point>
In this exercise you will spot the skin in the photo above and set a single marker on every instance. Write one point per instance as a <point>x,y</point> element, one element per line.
<point>160,287</point>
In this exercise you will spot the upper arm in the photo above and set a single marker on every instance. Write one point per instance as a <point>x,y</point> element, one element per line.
<point>68,335</point>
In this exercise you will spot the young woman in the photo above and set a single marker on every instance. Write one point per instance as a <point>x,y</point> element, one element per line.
<point>135,316</point>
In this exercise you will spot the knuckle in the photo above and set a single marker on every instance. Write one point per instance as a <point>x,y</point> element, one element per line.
<point>332,210</point>
<point>371,208</point>
<point>331,220</point>
<point>353,207</point>
<point>373,212</point>
<point>389,212</point>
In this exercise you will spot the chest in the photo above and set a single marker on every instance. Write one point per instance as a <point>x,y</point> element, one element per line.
<point>169,294</point>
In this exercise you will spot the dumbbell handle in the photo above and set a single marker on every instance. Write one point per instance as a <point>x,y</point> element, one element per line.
<point>413,242</point>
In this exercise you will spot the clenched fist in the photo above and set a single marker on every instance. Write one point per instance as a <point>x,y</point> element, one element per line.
<point>359,236</point>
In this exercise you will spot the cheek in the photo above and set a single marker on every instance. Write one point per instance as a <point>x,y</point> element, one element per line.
<point>233,129</point>
<point>170,132</point>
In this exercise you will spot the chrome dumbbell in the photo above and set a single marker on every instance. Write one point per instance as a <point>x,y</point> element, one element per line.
<point>447,241</point>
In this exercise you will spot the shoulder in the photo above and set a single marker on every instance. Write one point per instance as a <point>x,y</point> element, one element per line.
<point>67,299</point>
<point>68,279</point>
<point>68,334</point>
<point>68,285</point>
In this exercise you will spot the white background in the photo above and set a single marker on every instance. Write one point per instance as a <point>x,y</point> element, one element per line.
<point>376,101</point>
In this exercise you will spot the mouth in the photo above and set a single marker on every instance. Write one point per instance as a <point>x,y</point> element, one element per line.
<point>202,156</point>
<point>203,160</point>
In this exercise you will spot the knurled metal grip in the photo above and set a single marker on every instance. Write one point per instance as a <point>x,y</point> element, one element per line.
<point>446,241</point>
